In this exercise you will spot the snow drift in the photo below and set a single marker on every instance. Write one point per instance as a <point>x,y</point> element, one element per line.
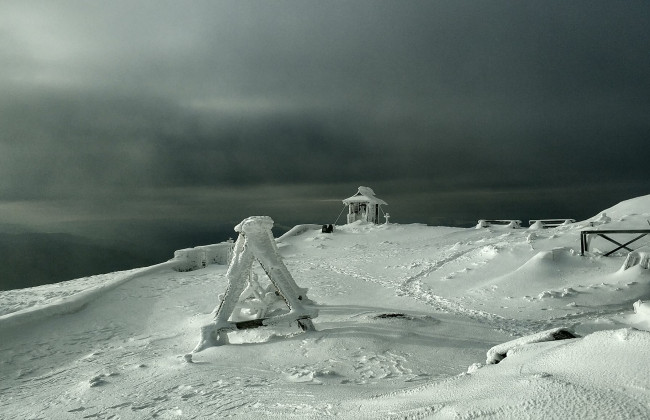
<point>407,314</point>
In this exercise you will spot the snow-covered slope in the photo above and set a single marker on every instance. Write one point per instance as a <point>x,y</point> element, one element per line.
<point>407,314</point>
<point>635,208</point>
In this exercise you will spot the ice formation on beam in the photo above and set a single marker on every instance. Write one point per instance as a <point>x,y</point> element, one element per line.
<point>255,242</point>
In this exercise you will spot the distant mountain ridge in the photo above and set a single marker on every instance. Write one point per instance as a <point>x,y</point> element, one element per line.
<point>33,259</point>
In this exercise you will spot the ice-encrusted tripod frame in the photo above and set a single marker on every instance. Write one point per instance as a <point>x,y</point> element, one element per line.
<point>256,243</point>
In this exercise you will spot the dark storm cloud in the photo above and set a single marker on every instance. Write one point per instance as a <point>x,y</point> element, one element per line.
<point>151,126</point>
<point>121,100</point>
<point>72,145</point>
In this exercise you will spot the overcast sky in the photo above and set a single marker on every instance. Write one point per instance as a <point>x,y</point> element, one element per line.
<point>202,113</point>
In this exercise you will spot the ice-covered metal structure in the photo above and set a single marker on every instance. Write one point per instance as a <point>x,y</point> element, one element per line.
<point>245,297</point>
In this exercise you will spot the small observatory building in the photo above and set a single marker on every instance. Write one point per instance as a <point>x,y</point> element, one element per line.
<point>364,206</point>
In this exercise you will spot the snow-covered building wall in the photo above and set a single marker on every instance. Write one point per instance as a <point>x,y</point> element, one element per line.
<point>364,206</point>
<point>189,259</point>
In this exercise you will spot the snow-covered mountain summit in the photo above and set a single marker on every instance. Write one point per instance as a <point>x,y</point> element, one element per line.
<point>407,314</point>
<point>636,210</point>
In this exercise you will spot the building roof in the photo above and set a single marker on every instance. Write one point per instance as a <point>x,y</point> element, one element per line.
<point>364,195</point>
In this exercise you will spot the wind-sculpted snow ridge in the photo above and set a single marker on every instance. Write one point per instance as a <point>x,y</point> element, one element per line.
<point>407,315</point>
<point>72,302</point>
<point>500,352</point>
<point>597,377</point>
<point>72,296</point>
<point>299,230</point>
<point>635,208</point>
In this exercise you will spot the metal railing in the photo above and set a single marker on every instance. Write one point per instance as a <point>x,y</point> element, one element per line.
<point>584,238</point>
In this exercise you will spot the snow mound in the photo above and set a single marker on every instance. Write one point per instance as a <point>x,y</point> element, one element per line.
<point>641,317</point>
<point>629,214</point>
<point>299,230</point>
<point>642,309</point>
<point>560,255</point>
<point>500,352</point>
<point>637,257</point>
<point>545,268</point>
<point>639,206</point>
<point>595,377</point>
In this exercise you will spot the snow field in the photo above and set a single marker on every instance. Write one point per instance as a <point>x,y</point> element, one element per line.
<point>407,314</point>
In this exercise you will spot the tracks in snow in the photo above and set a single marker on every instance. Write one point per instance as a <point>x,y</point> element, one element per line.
<point>414,288</point>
